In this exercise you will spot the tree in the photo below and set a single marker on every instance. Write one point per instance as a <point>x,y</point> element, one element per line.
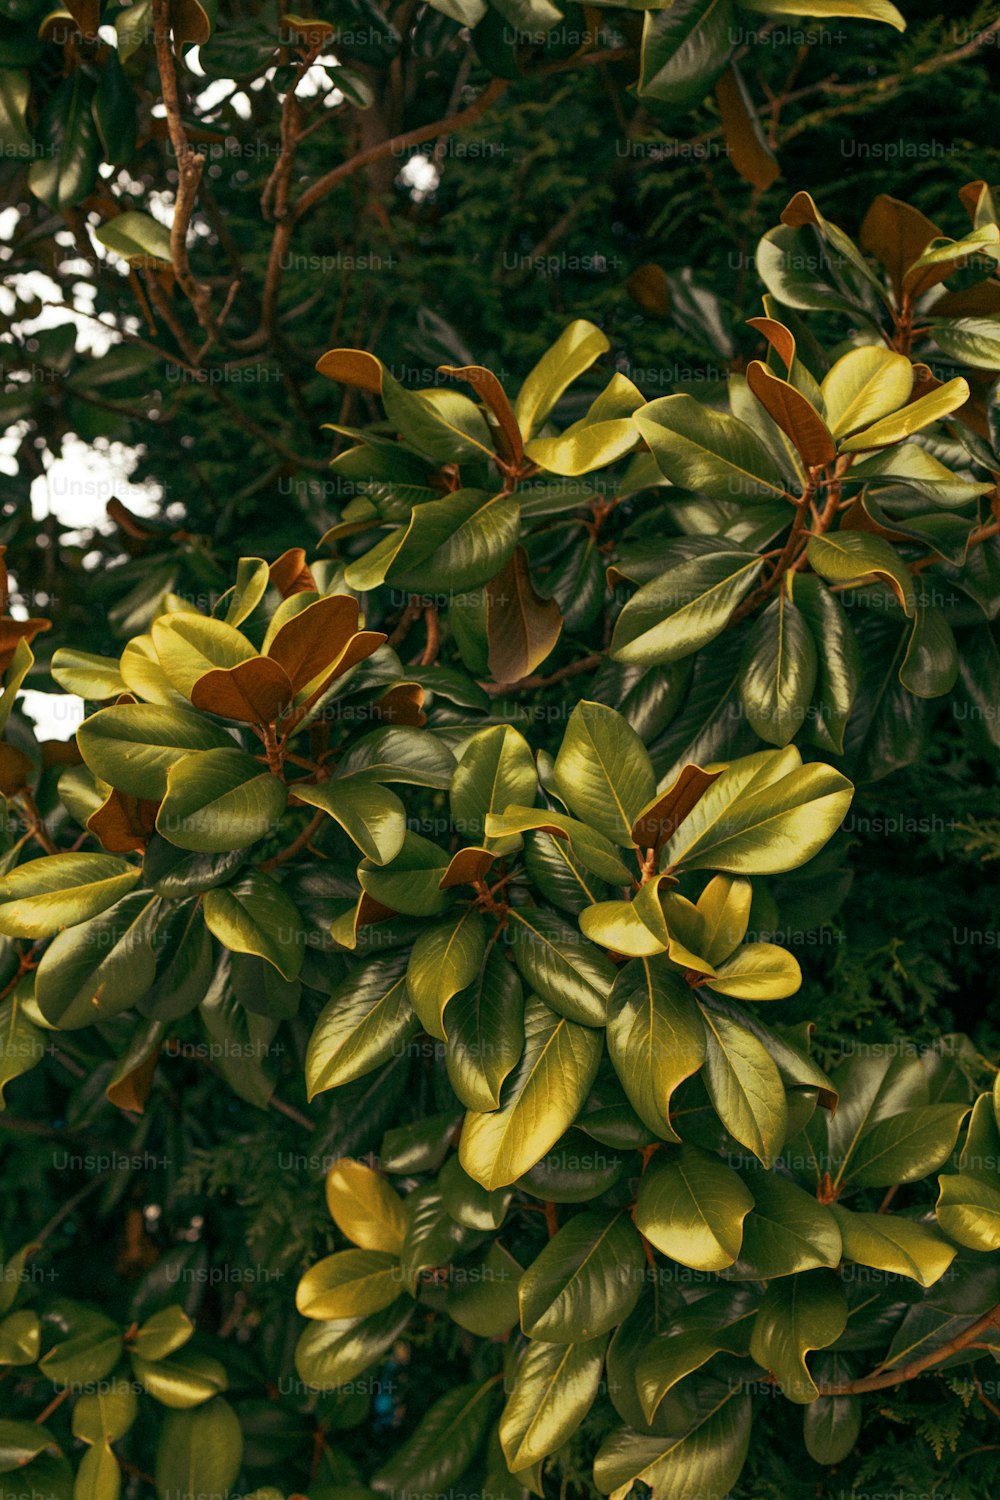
<point>497,843</point>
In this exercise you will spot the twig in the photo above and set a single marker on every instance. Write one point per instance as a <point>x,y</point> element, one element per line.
<point>528,684</point>
<point>299,843</point>
<point>190,165</point>
<point>398,144</point>
<point>881,1381</point>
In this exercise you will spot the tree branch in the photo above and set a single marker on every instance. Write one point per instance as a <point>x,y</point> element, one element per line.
<point>881,1381</point>
<point>190,165</point>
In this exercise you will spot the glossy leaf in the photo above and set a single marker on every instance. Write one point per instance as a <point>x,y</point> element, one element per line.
<point>538,1102</point>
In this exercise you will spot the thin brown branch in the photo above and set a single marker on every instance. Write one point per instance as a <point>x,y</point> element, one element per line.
<point>300,842</point>
<point>528,684</point>
<point>883,1379</point>
<point>190,165</point>
<point>397,144</point>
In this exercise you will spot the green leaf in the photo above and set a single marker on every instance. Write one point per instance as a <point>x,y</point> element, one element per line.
<point>555,1385</point>
<point>162,1333</point>
<point>182,1380</point>
<point>132,747</point>
<point>372,817</point>
<point>365,1207</point>
<point>496,769</point>
<point>446,1441</point>
<point>469,1204</point>
<point>135,236</point>
<point>482,1298</point>
<point>199,1452</point>
<point>98,968</point>
<point>759,971</point>
<point>761,817</point>
<point>107,1416</point>
<point>905,1146</point>
<point>65,170</point>
<point>445,959</point>
<point>455,543</point>
<point>887,1242</point>
<point>58,890</point>
<point>863,10</point>
<point>98,1477</point>
<point>350,1284</point>
<point>863,386</point>
<point>573,352</point>
<point>973,341</point>
<point>88,1354</point>
<point>744,1086</point>
<point>838,662</point>
<point>188,646</point>
<point>912,418</point>
<point>725,908</point>
<point>930,666</point>
<point>86,674</point>
<point>332,1354</point>
<point>22,1044</point>
<point>684,50</point>
<point>656,1039</point>
<point>568,972</point>
<point>595,852</point>
<point>798,1313</point>
<point>692,1209</point>
<point>778,672</point>
<point>968,1210</point>
<point>20,1442</point>
<point>707,451</point>
<point>787,1233</point>
<point>540,1099</point>
<point>20,1338</point>
<point>847,556</point>
<point>655,921</point>
<point>605,434</point>
<point>398,754</point>
<point>253,915</point>
<point>586,1280</point>
<point>367,1021</point>
<point>719,1321</point>
<point>602,771</point>
<point>15,91</point>
<point>217,800</point>
<point>704,1459</point>
<point>484,1027</point>
<point>433,1237</point>
<point>411,884</point>
<point>831,1426</point>
<point>685,608</point>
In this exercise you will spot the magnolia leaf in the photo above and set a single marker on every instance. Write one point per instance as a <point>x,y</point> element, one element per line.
<point>744,1086</point>
<point>798,1313</point>
<point>759,971</point>
<point>134,745</point>
<point>603,772</point>
<point>254,915</point>
<point>539,1101</point>
<point>586,1280</point>
<point>365,1208</point>
<point>850,555</point>
<point>218,800</point>
<point>692,1209</point>
<point>554,1387</point>
<point>352,1283</point>
<point>887,1242</point>
<point>656,1039</point>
